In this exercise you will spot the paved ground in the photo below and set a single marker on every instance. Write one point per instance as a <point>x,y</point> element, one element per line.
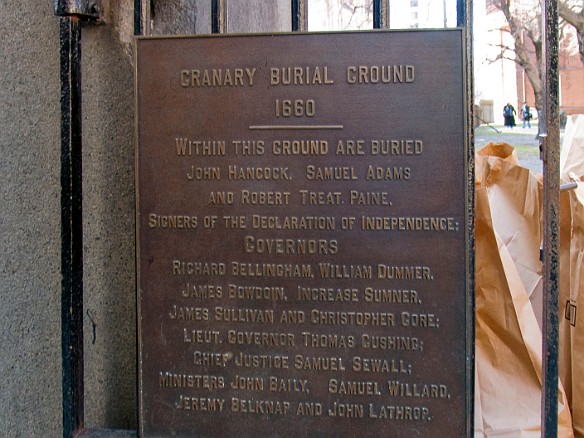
<point>523,140</point>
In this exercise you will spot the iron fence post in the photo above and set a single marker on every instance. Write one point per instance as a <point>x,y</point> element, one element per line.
<point>71,12</point>
<point>550,140</point>
<point>71,227</point>
<point>380,14</point>
<point>299,15</point>
<point>218,16</point>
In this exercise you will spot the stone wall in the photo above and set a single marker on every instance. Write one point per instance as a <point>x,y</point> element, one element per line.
<point>30,362</point>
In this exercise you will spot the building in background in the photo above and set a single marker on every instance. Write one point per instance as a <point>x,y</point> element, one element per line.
<point>497,80</point>
<point>358,14</point>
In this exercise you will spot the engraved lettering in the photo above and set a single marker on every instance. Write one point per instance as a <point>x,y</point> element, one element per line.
<point>260,407</point>
<point>346,410</point>
<point>258,173</point>
<point>429,320</point>
<point>238,222</point>
<point>261,338</point>
<point>264,198</point>
<point>320,198</point>
<point>243,315</point>
<point>372,295</point>
<point>277,384</point>
<point>318,363</point>
<point>404,272</point>
<point>269,293</point>
<point>250,147</point>
<point>309,409</point>
<point>201,336</point>
<point>204,173</point>
<point>327,294</point>
<point>353,387</point>
<point>186,147</point>
<point>381,74</point>
<point>217,77</point>
<point>330,173</point>
<point>397,147</point>
<point>422,390</point>
<point>350,147</point>
<point>221,198</point>
<point>317,75</point>
<point>329,270</point>
<point>405,413</point>
<point>388,173</point>
<point>170,379</point>
<point>373,365</point>
<point>206,359</point>
<point>393,223</point>
<point>271,270</point>
<point>293,222</point>
<point>198,268</point>
<point>391,342</point>
<point>202,291</point>
<point>292,317</point>
<point>261,361</point>
<point>202,404</point>
<point>369,198</point>
<point>300,147</point>
<point>247,383</point>
<point>186,313</point>
<point>254,245</point>
<point>353,318</point>
<point>172,221</point>
<point>317,340</point>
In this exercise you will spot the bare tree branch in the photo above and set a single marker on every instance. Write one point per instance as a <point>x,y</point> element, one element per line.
<point>576,19</point>
<point>522,27</point>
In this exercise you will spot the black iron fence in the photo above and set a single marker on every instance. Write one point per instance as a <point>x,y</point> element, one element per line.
<point>73,12</point>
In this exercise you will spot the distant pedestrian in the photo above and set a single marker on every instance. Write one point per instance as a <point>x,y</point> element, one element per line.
<point>526,114</point>
<point>509,114</point>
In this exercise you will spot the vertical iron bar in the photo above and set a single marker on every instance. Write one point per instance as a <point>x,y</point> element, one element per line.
<point>461,12</point>
<point>138,26</point>
<point>380,14</point>
<point>299,16</point>
<point>551,151</point>
<point>71,227</point>
<point>218,16</point>
<point>465,20</point>
<point>138,31</point>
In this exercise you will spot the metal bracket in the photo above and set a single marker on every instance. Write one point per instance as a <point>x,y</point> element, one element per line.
<point>84,9</point>
<point>570,313</point>
<point>542,138</point>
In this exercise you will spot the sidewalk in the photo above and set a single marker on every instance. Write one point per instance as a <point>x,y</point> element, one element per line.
<point>485,134</point>
<point>523,140</point>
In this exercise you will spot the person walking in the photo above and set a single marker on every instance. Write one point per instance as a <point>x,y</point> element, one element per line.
<point>509,115</point>
<point>526,114</point>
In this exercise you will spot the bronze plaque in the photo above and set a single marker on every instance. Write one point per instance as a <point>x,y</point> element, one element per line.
<point>302,241</point>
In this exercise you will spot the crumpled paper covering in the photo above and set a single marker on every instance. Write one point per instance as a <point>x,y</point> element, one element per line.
<point>572,271</point>
<point>515,196</point>
<point>508,280</point>
<point>572,153</point>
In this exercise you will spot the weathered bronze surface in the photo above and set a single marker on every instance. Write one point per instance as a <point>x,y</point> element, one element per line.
<point>303,266</point>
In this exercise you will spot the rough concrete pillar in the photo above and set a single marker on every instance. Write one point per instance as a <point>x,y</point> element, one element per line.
<point>30,282</point>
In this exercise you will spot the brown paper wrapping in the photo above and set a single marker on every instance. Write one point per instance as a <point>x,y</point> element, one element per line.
<point>508,287</point>
<point>571,317</point>
<point>572,153</point>
<point>572,272</point>
<point>514,196</point>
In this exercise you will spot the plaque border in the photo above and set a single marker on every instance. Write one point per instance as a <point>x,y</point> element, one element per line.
<point>468,173</point>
